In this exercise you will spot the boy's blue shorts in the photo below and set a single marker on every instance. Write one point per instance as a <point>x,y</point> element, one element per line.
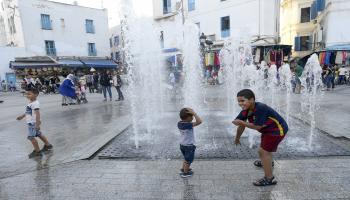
<point>32,131</point>
<point>188,152</point>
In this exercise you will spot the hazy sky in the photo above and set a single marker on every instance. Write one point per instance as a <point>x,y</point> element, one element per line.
<point>142,7</point>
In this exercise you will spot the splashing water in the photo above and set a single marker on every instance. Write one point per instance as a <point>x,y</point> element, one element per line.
<point>311,81</point>
<point>286,84</point>
<point>192,90</point>
<point>143,60</point>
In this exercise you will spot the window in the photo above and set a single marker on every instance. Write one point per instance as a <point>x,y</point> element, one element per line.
<point>303,43</point>
<point>305,15</point>
<point>166,6</point>
<point>162,39</point>
<point>110,42</point>
<point>191,5</point>
<point>89,25</point>
<point>198,25</point>
<point>46,22</point>
<point>92,49</point>
<point>62,23</point>
<point>50,47</point>
<point>225,26</point>
<point>116,40</point>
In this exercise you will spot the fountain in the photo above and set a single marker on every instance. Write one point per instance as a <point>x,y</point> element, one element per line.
<point>143,59</point>
<point>311,81</point>
<point>154,123</point>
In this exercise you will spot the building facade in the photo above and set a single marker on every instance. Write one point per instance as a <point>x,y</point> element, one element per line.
<point>115,43</point>
<point>46,28</point>
<point>219,19</point>
<point>314,25</point>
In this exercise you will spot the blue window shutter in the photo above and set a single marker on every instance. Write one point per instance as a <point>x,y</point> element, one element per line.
<point>45,22</point>
<point>314,10</point>
<point>321,4</point>
<point>191,5</point>
<point>297,46</point>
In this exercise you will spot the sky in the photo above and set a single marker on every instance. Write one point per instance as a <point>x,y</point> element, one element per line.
<point>142,7</point>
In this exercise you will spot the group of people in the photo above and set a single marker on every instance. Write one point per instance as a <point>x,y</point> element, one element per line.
<point>333,75</point>
<point>73,89</point>
<point>42,84</point>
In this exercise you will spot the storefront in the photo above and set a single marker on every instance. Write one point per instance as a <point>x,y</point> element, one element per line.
<point>272,54</point>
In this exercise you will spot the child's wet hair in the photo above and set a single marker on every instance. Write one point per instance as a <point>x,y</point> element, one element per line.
<point>185,113</point>
<point>246,93</point>
<point>33,90</point>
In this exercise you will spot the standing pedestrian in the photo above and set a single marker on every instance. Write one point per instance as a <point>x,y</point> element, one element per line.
<point>96,80</point>
<point>89,82</point>
<point>117,82</point>
<point>105,82</point>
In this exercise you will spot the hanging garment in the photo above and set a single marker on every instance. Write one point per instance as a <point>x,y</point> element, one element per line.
<point>339,58</point>
<point>328,58</point>
<point>344,57</point>
<point>209,60</point>
<point>278,58</point>
<point>347,62</point>
<point>267,57</point>
<point>216,59</point>
<point>257,56</point>
<point>206,59</point>
<point>273,56</point>
<point>333,56</point>
<point>320,57</point>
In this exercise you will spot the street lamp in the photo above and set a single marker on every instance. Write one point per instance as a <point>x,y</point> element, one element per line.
<point>204,42</point>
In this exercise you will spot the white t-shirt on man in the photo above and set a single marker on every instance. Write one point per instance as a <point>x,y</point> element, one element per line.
<point>342,71</point>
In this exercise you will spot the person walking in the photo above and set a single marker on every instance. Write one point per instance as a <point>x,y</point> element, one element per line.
<point>105,82</point>
<point>117,82</point>
<point>67,90</point>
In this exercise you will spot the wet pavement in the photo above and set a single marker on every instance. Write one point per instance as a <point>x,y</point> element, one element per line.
<point>222,170</point>
<point>76,132</point>
<point>311,179</point>
<point>334,113</point>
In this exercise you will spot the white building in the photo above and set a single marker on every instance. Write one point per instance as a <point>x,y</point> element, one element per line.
<point>44,27</point>
<point>311,25</point>
<point>115,42</point>
<point>220,19</point>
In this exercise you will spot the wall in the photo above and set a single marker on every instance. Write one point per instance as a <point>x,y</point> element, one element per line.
<point>70,38</point>
<point>335,26</point>
<point>244,18</point>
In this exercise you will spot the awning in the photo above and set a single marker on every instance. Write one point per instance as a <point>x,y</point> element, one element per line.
<point>342,47</point>
<point>99,63</point>
<point>70,63</point>
<point>22,65</point>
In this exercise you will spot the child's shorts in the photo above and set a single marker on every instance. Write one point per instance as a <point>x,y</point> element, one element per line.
<point>33,132</point>
<point>188,152</point>
<point>270,142</point>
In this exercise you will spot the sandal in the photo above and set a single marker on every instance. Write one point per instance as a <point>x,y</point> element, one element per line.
<point>265,182</point>
<point>258,163</point>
